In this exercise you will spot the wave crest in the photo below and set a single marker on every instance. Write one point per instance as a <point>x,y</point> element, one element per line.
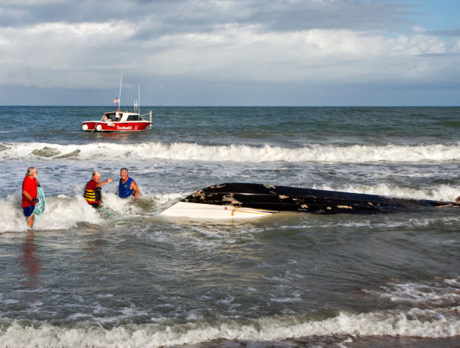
<point>237,153</point>
<point>434,323</point>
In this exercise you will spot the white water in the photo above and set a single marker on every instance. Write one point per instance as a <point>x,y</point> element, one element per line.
<point>413,323</point>
<point>134,278</point>
<point>64,212</point>
<point>236,153</point>
<point>437,317</point>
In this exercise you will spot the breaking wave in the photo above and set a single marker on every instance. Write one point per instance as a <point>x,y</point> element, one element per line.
<point>236,153</point>
<point>64,212</point>
<point>434,313</point>
<point>432,323</point>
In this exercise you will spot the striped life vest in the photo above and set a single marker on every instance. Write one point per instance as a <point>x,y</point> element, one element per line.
<point>93,194</point>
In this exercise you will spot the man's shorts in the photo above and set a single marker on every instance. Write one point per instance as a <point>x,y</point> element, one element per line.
<point>28,210</point>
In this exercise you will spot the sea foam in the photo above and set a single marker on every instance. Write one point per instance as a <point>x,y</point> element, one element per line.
<point>64,212</point>
<point>236,153</point>
<point>412,323</point>
<point>60,213</point>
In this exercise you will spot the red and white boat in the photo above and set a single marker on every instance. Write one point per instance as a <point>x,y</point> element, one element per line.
<point>119,121</point>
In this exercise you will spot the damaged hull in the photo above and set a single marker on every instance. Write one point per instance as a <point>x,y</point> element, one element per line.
<point>244,200</point>
<point>213,211</point>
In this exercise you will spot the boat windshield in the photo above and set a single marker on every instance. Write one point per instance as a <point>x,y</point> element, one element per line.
<point>134,118</point>
<point>110,116</point>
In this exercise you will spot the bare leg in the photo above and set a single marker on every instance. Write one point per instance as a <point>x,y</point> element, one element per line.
<point>30,222</point>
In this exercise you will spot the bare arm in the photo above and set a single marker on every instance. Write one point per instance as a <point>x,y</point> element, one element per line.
<point>135,189</point>
<point>102,183</point>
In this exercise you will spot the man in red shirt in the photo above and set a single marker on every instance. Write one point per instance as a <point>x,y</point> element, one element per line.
<point>93,190</point>
<point>29,194</point>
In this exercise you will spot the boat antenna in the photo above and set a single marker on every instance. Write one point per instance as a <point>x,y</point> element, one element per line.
<point>137,102</point>
<point>119,91</point>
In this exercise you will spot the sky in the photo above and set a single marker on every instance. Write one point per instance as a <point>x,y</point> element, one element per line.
<point>230,52</point>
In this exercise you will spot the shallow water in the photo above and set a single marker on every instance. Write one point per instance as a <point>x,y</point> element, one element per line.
<point>128,276</point>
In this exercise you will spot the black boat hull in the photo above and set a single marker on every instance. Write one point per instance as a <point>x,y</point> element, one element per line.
<point>271,198</point>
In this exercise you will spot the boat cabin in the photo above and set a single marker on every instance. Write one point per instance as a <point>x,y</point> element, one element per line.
<point>121,117</point>
<point>117,121</point>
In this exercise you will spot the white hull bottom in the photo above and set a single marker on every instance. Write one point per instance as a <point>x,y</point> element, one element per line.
<point>211,211</point>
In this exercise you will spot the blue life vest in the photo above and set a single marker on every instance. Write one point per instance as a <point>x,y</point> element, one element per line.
<point>124,190</point>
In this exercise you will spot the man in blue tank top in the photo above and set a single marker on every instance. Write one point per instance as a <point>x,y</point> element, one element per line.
<point>127,186</point>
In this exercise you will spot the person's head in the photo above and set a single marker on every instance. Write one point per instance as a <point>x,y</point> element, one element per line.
<point>96,176</point>
<point>124,173</point>
<point>457,200</point>
<point>31,171</point>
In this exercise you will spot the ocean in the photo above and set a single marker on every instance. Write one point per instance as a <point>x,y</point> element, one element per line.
<point>127,276</point>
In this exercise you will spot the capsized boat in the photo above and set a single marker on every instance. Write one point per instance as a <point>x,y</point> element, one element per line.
<point>118,121</point>
<point>243,200</point>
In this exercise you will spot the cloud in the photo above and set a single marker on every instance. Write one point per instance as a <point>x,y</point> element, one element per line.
<point>202,15</point>
<point>53,54</point>
<point>451,32</point>
<point>232,52</point>
<point>86,44</point>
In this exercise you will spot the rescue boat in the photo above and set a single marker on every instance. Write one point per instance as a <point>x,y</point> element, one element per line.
<point>117,121</point>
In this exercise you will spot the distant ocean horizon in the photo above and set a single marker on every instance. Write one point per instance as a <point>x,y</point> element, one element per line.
<point>128,106</point>
<point>128,276</point>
